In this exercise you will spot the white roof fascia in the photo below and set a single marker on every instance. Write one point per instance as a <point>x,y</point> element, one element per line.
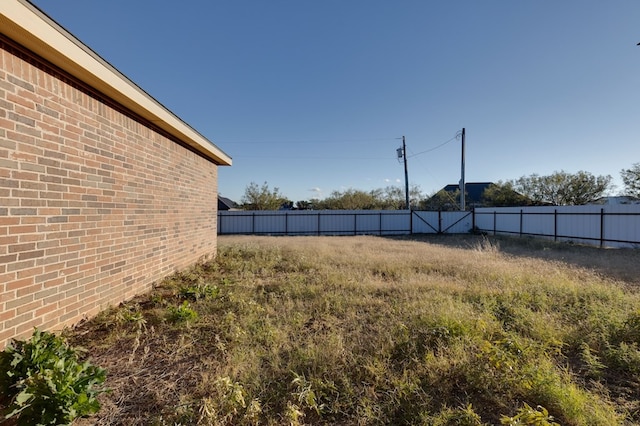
<point>27,25</point>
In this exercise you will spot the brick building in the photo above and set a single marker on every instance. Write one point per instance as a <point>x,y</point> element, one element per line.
<point>102,190</point>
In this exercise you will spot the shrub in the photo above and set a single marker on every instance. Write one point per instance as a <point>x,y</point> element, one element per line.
<point>42,381</point>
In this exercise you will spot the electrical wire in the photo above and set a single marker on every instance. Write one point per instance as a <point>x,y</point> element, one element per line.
<point>303,141</point>
<point>293,157</point>
<point>438,182</point>
<point>434,148</point>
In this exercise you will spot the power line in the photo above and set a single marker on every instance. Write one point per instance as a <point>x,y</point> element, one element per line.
<point>434,148</point>
<point>284,157</point>
<point>302,141</point>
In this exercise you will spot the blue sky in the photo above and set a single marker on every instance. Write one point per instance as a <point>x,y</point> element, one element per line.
<point>313,96</point>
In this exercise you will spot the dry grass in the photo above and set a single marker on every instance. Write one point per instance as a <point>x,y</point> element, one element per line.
<point>369,330</point>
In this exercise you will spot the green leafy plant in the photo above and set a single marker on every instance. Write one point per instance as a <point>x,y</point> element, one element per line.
<point>131,314</point>
<point>42,381</point>
<point>182,313</point>
<point>305,395</point>
<point>538,416</point>
<point>199,291</point>
<point>461,416</point>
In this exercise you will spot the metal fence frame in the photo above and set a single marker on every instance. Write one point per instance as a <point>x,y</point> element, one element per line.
<point>342,222</point>
<point>606,226</point>
<point>610,226</point>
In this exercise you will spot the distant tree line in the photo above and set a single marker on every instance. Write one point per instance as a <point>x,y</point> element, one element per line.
<point>559,188</point>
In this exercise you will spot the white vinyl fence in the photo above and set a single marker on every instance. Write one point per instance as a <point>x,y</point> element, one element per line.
<point>343,222</point>
<point>606,226</point>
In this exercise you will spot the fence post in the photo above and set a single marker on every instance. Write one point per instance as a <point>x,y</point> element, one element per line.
<point>555,224</point>
<point>380,223</point>
<point>521,222</point>
<point>495,214</point>
<point>286,223</point>
<point>439,221</point>
<point>601,227</point>
<point>253,222</point>
<point>318,213</point>
<point>355,224</point>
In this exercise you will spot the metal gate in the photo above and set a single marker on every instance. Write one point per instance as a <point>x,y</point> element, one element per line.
<point>439,222</point>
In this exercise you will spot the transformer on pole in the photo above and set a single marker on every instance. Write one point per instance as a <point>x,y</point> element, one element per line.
<point>402,153</point>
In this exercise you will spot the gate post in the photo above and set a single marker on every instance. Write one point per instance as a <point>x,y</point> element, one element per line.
<point>410,222</point>
<point>473,219</point>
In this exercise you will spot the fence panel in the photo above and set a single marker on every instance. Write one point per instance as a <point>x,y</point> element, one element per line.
<point>338,223</point>
<point>610,226</point>
<point>579,223</point>
<point>456,222</point>
<point>303,224</point>
<point>395,222</point>
<point>425,222</point>
<point>269,223</point>
<point>315,222</point>
<point>622,226</point>
<point>540,223</point>
<point>235,223</point>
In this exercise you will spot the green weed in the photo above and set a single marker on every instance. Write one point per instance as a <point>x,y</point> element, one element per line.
<point>181,313</point>
<point>526,415</point>
<point>195,292</point>
<point>43,381</point>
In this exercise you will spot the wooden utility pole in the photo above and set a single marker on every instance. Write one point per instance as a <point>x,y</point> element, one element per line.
<point>462,183</point>
<point>406,175</point>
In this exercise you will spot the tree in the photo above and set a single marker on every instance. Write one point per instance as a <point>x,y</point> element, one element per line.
<point>631,180</point>
<point>502,194</point>
<point>394,197</point>
<point>562,188</point>
<point>442,200</point>
<point>262,197</point>
<point>351,199</point>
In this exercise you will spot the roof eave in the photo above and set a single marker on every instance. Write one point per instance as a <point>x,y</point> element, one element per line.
<point>29,26</point>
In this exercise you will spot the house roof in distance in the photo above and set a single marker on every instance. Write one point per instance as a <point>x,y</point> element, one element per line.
<point>27,25</point>
<point>474,190</point>
<point>226,203</point>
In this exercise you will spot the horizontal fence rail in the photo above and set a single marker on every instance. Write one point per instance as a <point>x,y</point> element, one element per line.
<point>608,226</point>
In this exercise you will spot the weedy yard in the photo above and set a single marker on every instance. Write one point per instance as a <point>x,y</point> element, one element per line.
<point>463,330</point>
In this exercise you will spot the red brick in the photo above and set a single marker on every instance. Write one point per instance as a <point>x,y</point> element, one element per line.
<point>96,205</point>
<point>19,285</point>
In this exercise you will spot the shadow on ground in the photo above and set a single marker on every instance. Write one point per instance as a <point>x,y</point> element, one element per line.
<point>617,264</point>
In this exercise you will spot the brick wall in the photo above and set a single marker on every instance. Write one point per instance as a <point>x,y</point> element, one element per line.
<point>95,204</point>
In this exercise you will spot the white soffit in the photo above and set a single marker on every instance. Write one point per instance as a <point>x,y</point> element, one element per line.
<point>27,25</point>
